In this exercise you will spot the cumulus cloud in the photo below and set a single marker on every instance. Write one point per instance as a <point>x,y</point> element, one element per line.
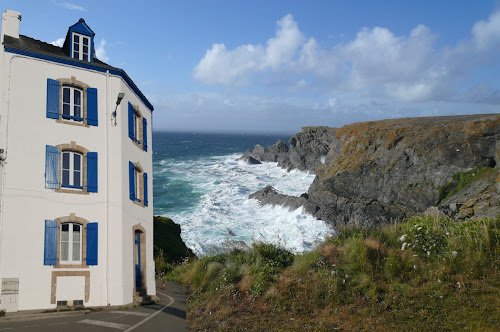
<point>100,52</point>
<point>59,42</point>
<point>407,68</point>
<point>223,66</point>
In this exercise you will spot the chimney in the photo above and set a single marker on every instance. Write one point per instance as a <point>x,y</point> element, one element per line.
<point>10,23</point>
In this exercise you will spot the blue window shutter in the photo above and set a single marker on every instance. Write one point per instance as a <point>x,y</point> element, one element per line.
<point>130,120</point>
<point>53,99</point>
<point>50,247</point>
<point>92,241</point>
<point>145,134</point>
<point>92,172</point>
<point>92,106</point>
<point>51,167</point>
<point>145,189</point>
<point>131,170</point>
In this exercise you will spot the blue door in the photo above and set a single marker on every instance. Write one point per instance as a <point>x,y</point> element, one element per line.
<point>137,259</point>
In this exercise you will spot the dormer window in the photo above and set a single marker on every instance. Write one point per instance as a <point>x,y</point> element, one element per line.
<point>81,47</point>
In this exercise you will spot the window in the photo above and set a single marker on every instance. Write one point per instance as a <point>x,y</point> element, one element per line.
<point>71,101</point>
<point>71,243</point>
<point>137,127</point>
<point>138,181</point>
<point>72,104</point>
<point>81,47</point>
<point>70,240</point>
<point>65,166</point>
<point>72,170</point>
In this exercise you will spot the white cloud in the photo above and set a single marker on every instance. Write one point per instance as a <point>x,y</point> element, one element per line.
<point>100,52</point>
<point>222,66</point>
<point>59,42</point>
<point>486,34</point>
<point>70,6</point>
<point>376,62</point>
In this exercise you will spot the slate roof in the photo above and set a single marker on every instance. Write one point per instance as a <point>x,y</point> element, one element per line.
<point>24,43</point>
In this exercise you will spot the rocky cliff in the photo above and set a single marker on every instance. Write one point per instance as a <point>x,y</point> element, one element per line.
<point>373,172</point>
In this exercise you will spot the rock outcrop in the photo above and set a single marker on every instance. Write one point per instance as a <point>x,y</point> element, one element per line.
<point>306,152</point>
<point>383,171</point>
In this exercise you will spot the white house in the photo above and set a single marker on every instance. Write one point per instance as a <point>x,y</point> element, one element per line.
<point>76,214</point>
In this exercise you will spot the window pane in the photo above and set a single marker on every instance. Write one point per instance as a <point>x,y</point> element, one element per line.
<point>76,233</point>
<point>77,38</point>
<point>76,178</point>
<point>64,232</point>
<point>76,55</point>
<point>64,251</point>
<point>77,99</point>
<point>85,49</point>
<point>78,112</point>
<point>65,177</point>
<point>66,109</point>
<point>85,57</point>
<point>76,251</point>
<point>77,161</point>
<point>66,92</point>
<point>85,41</point>
<point>65,163</point>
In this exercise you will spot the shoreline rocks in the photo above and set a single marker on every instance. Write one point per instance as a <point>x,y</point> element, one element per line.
<point>382,171</point>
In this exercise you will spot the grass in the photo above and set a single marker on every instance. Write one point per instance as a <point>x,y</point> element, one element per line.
<point>460,181</point>
<point>423,274</point>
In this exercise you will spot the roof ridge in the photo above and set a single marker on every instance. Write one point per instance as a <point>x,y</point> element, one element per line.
<point>40,41</point>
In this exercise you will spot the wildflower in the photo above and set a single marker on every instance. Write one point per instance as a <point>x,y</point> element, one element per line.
<point>458,284</point>
<point>402,238</point>
<point>414,267</point>
<point>403,246</point>
<point>428,253</point>
<point>419,228</point>
<point>454,253</point>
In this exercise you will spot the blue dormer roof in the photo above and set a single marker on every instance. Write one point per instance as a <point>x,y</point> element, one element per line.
<point>83,29</point>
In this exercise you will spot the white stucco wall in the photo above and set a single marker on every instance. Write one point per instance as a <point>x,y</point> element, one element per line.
<point>25,203</point>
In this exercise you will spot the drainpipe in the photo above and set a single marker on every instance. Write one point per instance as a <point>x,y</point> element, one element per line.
<point>107,187</point>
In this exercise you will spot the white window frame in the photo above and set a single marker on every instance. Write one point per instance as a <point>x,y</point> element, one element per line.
<point>71,243</point>
<point>71,116</point>
<point>137,126</point>
<point>71,169</point>
<point>79,45</point>
<point>137,174</point>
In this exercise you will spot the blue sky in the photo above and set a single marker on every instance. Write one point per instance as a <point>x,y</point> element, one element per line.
<point>276,66</point>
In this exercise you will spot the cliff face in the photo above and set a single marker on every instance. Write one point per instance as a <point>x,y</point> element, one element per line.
<point>379,171</point>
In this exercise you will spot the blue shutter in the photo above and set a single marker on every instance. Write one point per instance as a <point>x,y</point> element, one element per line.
<point>92,172</point>
<point>50,247</point>
<point>145,134</point>
<point>131,170</point>
<point>92,106</point>
<point>92,240</point>
<point>145,189</point>
<point>53,99</point>
<point>131,121</point>
<point>51,167</point>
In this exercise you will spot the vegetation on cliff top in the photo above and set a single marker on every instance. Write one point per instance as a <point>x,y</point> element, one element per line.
<point>168,245</point>
<point>422,274</point>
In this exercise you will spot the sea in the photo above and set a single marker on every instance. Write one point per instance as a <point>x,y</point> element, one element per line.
<point>199,184</point>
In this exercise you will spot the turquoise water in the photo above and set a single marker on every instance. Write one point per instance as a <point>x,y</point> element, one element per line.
<point>200,185</point>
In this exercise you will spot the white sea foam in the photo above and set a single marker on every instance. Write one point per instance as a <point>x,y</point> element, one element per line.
<point>224,205</point>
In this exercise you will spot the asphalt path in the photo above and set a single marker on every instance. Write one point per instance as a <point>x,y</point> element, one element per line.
<point>167,315</point>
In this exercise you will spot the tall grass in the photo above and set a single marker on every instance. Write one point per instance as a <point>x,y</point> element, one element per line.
<point>422,274</point>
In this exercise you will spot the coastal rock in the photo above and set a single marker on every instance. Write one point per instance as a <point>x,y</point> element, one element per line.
<point>250,160</point>
<point>381,171</point>
<point>269,196</point>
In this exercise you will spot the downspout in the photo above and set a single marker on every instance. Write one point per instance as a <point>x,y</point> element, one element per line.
<point>107,187</point>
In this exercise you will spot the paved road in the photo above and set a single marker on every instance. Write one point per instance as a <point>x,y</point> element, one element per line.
<point>167,315</point>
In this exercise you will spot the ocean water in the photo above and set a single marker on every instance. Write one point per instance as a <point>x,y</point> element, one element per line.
<point>199,184</point>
